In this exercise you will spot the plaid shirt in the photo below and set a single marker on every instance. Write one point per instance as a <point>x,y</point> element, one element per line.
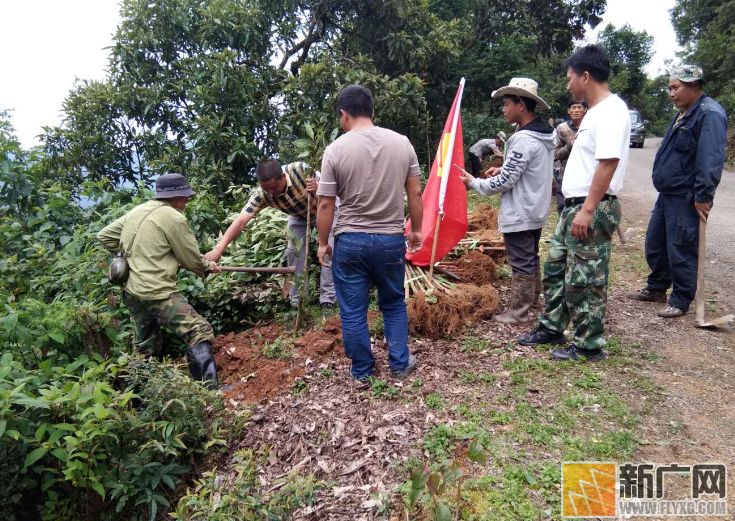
<point>565,134</point>
<point>293,199</point>
<point>484,147</point>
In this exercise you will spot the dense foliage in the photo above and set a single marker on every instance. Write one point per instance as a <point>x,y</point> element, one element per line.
<point>87,430</point>
<point>96,435</point>
<point>207,87</point>
<point>705,29</point>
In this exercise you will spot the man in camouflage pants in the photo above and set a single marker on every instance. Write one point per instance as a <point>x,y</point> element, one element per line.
<point>156,240</point>
<point>576,276</point>
<point>576,272</point>
<point>174,313</point>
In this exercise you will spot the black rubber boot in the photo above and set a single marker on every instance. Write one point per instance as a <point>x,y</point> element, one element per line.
<point>202,365</point>
<point>541,335</point>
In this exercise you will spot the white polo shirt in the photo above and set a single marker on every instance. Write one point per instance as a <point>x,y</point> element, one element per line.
<point>603,134</point>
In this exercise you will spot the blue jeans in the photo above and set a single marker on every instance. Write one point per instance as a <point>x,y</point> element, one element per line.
<point>359,261</point>
<point>672,242</point>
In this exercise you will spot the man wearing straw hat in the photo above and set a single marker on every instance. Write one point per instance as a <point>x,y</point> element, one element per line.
<point>483,147</point>
<point>524,188</point>
<point>576,272</point>
<point>156,239</point>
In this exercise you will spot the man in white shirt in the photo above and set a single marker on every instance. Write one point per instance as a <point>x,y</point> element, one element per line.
<point>576,272</point>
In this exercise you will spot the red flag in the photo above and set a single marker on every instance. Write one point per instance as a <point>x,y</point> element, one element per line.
<point>452,207</point>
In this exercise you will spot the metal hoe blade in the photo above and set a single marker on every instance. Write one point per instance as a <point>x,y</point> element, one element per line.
<point>699,298</point>
<point>628,235</point>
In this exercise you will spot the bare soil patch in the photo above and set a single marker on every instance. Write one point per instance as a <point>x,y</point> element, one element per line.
<point>256,377</point>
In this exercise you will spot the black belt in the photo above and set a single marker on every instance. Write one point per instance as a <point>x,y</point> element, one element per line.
<point>574,201</point>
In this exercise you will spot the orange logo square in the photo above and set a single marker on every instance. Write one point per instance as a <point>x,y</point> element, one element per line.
<point>588,489</point>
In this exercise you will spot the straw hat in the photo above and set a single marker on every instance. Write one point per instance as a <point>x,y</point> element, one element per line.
<point>525,87</point>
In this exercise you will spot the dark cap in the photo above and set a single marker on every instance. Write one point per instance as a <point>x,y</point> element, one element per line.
<point>172,185</point>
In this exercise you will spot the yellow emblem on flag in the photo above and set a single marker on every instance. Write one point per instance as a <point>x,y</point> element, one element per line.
<point>588,489</point>
<point>441,154</point>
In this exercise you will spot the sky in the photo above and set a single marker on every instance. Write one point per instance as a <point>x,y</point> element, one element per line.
<point>46,44</point>
<point>644,15</point>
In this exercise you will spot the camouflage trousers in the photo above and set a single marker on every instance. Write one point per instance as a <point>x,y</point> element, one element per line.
<point>174,313</point>
<point>576,275</point>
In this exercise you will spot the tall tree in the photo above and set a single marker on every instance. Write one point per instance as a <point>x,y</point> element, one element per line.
<point>208,87</point>
<point>705,28</point>
<point>629,51</point>
<point>691,18</point>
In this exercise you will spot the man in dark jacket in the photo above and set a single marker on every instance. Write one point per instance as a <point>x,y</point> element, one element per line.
<point>686,172</point>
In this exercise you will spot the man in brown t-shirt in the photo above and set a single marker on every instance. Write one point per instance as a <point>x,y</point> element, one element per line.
<point>369,168</point>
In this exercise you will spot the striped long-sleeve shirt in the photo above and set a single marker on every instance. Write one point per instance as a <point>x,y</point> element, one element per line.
<point>292,201</point>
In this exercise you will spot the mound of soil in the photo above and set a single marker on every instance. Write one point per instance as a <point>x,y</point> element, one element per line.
<point>256,377</point>
<point>321,342</point>
<point>485,217</point>
<point>452,311</point>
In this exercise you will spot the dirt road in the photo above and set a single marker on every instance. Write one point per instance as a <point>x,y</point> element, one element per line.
<point>638,197</point>
<point>694,412</point>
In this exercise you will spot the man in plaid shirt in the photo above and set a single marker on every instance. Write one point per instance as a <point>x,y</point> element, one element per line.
<point>285,189</point>
<point>565,134</point>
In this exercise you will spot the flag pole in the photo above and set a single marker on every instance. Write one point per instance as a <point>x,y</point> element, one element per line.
<point>433,247</point>
<point>446,163</point>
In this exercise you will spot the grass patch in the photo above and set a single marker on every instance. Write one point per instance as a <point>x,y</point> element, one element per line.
<point>382,389</point>
<point>474,344</point>
<point>434,401</point>
<point>529,420</point>
<point>280,348</point>
<point>627,265</point>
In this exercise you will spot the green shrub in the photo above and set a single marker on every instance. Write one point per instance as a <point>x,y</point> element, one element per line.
<point>245,499</point>
<point>97,435</point>
<point>227,298</point>
<point>280,348</point>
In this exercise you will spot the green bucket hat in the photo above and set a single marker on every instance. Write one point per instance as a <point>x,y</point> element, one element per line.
<point>687,73</point>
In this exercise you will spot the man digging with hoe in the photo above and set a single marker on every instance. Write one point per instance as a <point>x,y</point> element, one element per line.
<point>156,239</point>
